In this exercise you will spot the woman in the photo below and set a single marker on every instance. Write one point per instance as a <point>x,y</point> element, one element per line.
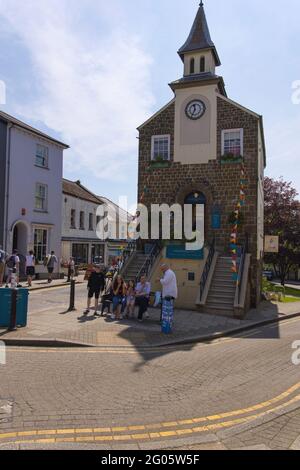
<point>30,267</point>
<point>119,292</point>
<point>130,302</point>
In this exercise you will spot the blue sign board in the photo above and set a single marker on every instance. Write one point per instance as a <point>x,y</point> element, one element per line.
<point>216,221</point>
<point>180,252</point>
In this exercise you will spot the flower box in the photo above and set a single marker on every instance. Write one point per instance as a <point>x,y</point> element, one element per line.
<point>159,164</point>
<point>231,159</point>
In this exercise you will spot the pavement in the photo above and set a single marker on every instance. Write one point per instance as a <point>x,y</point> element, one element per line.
<point>49,324</point>
<point>241,392</point>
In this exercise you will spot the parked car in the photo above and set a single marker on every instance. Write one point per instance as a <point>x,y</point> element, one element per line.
<point>269,275</point>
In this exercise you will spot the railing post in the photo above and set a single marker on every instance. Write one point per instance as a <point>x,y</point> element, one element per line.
<point>72,297</point>
<point>13,312</point>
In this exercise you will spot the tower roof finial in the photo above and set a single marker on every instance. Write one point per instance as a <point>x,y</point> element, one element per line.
<point>199,37</point>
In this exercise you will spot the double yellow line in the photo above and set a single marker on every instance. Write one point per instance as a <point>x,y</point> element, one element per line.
<point>157,431</point>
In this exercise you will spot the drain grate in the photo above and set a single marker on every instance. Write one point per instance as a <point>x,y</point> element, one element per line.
<point>6,410</point>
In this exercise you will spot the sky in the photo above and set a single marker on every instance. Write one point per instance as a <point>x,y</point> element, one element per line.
<point>90,72</point>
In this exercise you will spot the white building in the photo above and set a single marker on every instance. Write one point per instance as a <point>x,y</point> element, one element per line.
<point>31,164</point>
<point>79,228</point>
<point>79,216</point>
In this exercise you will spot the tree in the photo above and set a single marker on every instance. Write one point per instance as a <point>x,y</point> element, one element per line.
<point>282,218</point>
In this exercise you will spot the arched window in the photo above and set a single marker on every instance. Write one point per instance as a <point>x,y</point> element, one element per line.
<point>192,66</point>
<point>202,64</point>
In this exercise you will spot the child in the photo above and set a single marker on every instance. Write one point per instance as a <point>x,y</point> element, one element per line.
<point>95,286</point>
<point>130,300</point>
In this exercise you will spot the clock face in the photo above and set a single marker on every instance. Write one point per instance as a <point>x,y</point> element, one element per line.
<point>195,109</point>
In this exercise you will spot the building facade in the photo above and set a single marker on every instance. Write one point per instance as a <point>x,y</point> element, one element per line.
<point>192,151</point>
<point>79,228</point>
<point>31,165</point>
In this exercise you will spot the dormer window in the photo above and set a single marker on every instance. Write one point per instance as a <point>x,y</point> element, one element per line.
<point>202,64</point>
<point>192,66</point>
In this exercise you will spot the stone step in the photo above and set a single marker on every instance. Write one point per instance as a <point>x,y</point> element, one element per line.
<point>221,295</point>
<point>221,279</point>
<point>220,301</point>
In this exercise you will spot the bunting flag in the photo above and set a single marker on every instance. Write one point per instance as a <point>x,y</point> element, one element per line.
<point>234,230</point>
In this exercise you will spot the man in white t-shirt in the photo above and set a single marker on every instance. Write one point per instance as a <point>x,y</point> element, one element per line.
<point>169,283</point>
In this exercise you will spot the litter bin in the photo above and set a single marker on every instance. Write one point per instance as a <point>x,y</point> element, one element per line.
<point>5,307</point>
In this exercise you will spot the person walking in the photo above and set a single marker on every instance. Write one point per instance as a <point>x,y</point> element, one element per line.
<point>169,286</point>
<point>30,267</point>
<point>130,299</point>
<point>142,293</point>
<point>119,293</point>
<point>51,261</point>
<point>13,265</point>
<point>2,265</point>
<point>96,285</point>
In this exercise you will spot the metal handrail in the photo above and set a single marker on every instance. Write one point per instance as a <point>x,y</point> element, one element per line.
<point>149,262</point>
<point>242,266</point>
<point>207,267</point>
<point>127,254</point>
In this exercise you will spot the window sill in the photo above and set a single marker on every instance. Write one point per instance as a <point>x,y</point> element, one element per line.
<point>42,167</point>
<point>164,164</point>
<point>40,211</point>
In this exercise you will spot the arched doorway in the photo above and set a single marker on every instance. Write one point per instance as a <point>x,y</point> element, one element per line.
<point>195,199</point>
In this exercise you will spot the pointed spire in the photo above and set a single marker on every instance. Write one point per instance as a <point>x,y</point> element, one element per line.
<point>199,38</point>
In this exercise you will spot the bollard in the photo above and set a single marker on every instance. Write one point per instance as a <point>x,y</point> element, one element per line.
<point>13,312</point>
<point>72,297</point>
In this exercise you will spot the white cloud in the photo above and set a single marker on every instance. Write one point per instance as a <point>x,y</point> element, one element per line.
<point>94,90</point>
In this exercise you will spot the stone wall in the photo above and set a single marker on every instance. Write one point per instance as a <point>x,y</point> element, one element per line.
<point>219,183</point>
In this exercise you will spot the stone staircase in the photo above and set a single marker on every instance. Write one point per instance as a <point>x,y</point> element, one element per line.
<point>221,295</point>
<point>131,271</point>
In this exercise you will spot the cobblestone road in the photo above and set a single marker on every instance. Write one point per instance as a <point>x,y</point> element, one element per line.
<point>232,389</point>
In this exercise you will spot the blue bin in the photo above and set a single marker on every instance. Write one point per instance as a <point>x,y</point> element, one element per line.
<point>5,307</point>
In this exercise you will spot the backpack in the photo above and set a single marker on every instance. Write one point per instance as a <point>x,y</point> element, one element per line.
<point>11,263</point>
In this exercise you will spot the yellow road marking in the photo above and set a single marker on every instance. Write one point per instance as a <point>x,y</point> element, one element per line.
<point>159,427</point>
<point>159,435</point>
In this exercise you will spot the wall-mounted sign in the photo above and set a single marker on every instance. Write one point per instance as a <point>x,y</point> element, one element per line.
<point>180,252</point>
<point>271,244</point>
<point>216,218</point>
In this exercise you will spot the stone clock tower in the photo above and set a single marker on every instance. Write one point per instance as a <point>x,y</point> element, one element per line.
<point>196,96</point>
<point>203,147</point>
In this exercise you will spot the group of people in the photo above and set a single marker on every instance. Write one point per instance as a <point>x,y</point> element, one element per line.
<point>10,267</point>
<point>123,296</point>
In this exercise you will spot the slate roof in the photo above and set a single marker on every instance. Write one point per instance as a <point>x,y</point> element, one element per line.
<point>199,37</point>
<point>201,77</point>
<point>10,119</point>
<point>75,189</point>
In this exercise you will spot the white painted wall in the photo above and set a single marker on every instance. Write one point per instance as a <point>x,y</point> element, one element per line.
<point>22,185</point>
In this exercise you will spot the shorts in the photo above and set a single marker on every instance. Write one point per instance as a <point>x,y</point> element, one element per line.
<point>30,271</point>
<point>117,300</point>
<point>94,292</point>
<point>50,270</point>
